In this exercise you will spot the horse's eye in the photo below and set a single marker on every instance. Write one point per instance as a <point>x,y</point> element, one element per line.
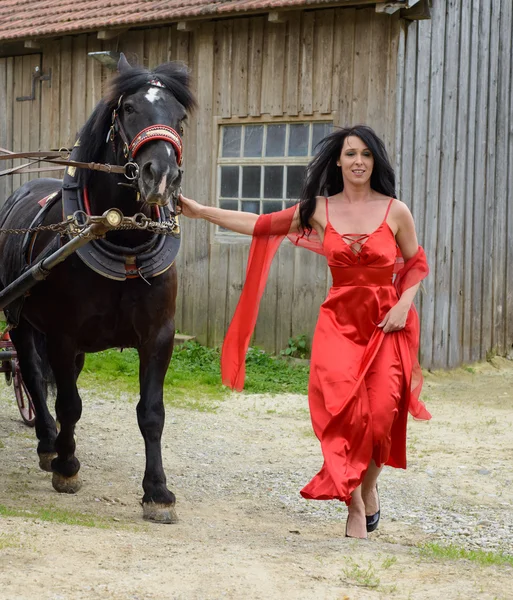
<point>180,129</point>
<point>128,108</point>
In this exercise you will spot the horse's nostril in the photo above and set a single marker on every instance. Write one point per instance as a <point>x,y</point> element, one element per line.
<point>149,173</point>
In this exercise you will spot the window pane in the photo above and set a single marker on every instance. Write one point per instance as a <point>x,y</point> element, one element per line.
<point>253,138</point>
<point>319,131</point>
<point>298,139</point>
<point>269,207</point>
<point>295,181</point>
<point>251,182</point>
<point>290,203</point>
<point>275,140</point>
<point>273,182</point>
<point>251,206</point>
<point>231,140</point>
<point>229,204</point>
<point>229,182</point>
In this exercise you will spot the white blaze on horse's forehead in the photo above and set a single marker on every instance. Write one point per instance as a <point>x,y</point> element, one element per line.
<point>153,94</point>
<point>163,182</point>
<point>168,150</point>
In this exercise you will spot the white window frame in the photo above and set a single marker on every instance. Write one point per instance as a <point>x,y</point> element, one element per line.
<point>282,161</point>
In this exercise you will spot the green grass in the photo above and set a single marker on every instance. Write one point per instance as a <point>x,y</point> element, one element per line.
<point>9,541</point>
<point>56,515</point>
<point>452,552</point>
<point>193,379</point>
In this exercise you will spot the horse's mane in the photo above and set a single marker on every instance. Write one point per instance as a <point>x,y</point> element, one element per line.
<point>93,135</point>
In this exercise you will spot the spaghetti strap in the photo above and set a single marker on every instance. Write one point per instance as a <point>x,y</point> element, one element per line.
<point>327,215</point>
<point>388,209</point>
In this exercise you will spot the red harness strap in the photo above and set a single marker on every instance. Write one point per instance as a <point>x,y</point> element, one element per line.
<point>158,132</point>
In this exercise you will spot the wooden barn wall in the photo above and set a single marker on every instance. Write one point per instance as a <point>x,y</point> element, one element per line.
<point>335,64</point>
<point>456,172</point>
<point>339,64</point>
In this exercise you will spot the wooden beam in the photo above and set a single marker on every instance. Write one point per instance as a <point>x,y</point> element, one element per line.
<point>185,26</point>
<point>390,8</point>
<point>277,17</point>
<point>32,44</point>
<point>109,34</point>
<point>421,10</point>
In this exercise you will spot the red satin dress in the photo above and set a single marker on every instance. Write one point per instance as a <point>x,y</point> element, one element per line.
<point>363,382</point>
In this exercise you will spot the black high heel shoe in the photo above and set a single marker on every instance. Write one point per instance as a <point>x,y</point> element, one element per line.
<point>373,520</point>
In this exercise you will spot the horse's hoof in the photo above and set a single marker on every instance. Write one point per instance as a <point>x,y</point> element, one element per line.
<point>45,461</point>
<point>160,513</point>
<point>66,485</point>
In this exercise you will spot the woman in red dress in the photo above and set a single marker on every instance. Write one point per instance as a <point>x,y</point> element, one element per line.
<point>364,373</point>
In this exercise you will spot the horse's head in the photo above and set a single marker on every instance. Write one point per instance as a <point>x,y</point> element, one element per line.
<point>141,119</point>
<point>149,122</point>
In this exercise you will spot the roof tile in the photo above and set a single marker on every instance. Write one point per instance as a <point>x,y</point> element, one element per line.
<point>21,19</point>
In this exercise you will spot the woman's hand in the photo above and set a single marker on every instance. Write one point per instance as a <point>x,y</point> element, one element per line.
<point>395,319</point>
<point>189,208</point>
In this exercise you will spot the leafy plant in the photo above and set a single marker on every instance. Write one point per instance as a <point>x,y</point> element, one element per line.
<point>298,347</point>
<point>194,378</point>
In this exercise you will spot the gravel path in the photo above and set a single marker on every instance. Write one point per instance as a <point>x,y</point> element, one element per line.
<point>245,532</point>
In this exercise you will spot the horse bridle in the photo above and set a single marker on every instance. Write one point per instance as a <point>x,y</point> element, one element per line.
<point>153,132</point>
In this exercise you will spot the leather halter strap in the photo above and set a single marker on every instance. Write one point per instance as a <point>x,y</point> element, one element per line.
<point>154,132</point>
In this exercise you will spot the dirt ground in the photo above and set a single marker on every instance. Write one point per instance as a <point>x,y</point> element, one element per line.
<point>244,531</point>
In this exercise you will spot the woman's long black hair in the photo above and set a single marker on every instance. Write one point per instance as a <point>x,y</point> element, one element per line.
<point>324,177</point>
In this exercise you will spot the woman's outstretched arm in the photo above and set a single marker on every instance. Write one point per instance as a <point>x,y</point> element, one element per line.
<point>234,220</point>
<point>240,222</point>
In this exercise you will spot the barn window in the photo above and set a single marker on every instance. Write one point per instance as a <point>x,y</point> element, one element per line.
<point>261,166</point>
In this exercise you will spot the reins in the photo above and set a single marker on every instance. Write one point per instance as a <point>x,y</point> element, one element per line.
<point>130,170</point>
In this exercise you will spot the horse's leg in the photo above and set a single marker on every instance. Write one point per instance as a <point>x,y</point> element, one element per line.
<point>154,356</point>
<point>35,371</point>
<point>68,409</point>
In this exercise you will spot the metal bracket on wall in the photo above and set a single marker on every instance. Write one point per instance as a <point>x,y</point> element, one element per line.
<point>37,75</point>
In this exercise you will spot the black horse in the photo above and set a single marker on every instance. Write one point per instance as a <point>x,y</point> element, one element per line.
<point>120,292</point>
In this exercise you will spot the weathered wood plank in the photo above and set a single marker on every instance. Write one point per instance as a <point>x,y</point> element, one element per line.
<point>323,57</point>
<point>343,63</point>
<point>151,44</point>
<point>407,119</point>
<point>224,57</point>
<point>65,131</point>
<point>5,117</point>
<point>490,282</point>
<point>78,85</point>
<point>458,260</point>
<point>449,99</point>
<point>94,76</point>
<point>274,69</point>
<point>28,65</point>
<point>34,108</point>
<point>240,69</point>
<point>307,63</point>
<point>203,62</point>
<point>265,329</point>
<point>504,197</point>
<point>377,75</point>
<point>255,61</point>
<point>470,336</point>
<point>217,293</point>
<point>433,178</point>
<point>392,42</point>
<point>285,260</point>
<point>19,89</point>
<point>362,65</point>
<point>291,104</point>
<point>481,202</point>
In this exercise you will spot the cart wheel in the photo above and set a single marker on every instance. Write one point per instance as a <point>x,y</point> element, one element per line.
<point>23,398</point>
<point>8,367</point>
